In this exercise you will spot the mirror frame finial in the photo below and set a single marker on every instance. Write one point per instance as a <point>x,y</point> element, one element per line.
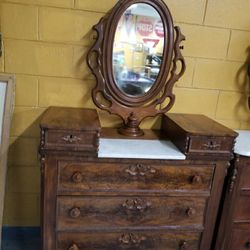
<point>133,109</point>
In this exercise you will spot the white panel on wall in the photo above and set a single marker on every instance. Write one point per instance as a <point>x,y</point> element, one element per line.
<point>3,86</point>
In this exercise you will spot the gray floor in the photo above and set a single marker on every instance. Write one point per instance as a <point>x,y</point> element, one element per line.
<point>21,245</point>
<point>21,238</point>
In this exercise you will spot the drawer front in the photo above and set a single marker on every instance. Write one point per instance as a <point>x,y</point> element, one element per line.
<point>210,144</point>
<point>83,213</point>
<point>242,210</point>
<point>240,240</point>
<point>128,240</point>
<point>72,140</point>
<point>120,177</point>
<point>245,175</point>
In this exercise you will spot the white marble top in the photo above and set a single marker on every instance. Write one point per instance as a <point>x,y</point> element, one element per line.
<point>138,149</point>
<point>242,145</point>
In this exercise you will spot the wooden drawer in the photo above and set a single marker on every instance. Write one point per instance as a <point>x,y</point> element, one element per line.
<point>245,174</point>
<point>128,240</point>
<point>70,129</point>
<point>240,240</point>
<point>206,144</point>
<point>83,213</point>
<point>120,177</point>
<point>198,136</point>
<point>242,210</point>
<point>72,140</point>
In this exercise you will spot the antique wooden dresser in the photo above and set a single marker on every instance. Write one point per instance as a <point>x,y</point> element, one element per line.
<point>154,197</point>
<point>234,232</point>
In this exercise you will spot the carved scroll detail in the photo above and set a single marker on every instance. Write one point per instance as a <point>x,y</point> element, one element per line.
<point>71,138</point>
<point>140,170</point>
<point>131,239</point>
<point>233,176</point>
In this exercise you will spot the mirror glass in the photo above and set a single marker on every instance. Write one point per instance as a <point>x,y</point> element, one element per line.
<point>138,49</point>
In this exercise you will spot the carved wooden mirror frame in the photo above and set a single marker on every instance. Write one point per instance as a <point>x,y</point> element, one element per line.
<point>106,94</point>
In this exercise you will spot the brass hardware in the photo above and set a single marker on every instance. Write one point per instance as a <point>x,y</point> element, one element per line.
<point>131,239</point>
<point>183,245</point>
<point>77,177</point>
<point>140,170</point>
<point>136,205</point>
<point>71,138</point>
<point>211,145</point>
<point>196,179</point>
<point>73,247</point>
<point>75,212</point>
<point>190,212</point>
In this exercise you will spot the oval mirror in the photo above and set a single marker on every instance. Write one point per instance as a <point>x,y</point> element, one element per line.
<point>134,60</point>
<point>138,49</point>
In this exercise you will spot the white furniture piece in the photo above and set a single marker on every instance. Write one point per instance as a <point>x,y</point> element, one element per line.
<point>6,109</point>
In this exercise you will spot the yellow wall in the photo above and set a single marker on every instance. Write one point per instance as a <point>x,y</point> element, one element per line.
<point>45,45</point>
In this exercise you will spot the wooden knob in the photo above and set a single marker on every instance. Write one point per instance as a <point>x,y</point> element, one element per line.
<point>75,212</point>
<point>183,245</point>
<point>77,177</point>
<point>196,179</point>
<point>190,212</point>
<point>73,247</point>
<point>247,245</point>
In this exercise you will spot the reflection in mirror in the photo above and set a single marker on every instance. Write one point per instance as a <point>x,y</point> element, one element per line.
<point>138,49</point>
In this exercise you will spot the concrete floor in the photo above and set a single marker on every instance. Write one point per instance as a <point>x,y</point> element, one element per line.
<point>21,238</point>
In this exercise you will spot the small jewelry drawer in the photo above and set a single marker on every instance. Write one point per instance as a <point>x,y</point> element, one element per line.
<point>134,177</point>
<point>88,213</point>
<point>148,240</point>
<point>198,136</point>
<point>73,140</point>
<point>206,144</point>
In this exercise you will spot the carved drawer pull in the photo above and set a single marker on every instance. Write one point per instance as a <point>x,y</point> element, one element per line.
<point>75,212</point>
<point>183,245</point>
<point>131,239</point>
<point>73,247</point>
<point>71,138</point>
<point>136,205</point>
<point>77,177</point>
<point>196,179</point>
<point>190,212</point>
<point>211,145</point>
<point>140,170</point>
<point>247,245</point>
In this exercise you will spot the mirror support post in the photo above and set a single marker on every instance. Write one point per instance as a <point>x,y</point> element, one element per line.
<point>131,128</point>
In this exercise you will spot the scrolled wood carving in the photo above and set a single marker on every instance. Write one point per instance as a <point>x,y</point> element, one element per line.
<point>131,239</point>
<point>160,98</point>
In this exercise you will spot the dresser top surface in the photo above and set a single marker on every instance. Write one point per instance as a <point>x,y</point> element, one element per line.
<point>242,145</point>
<point>70,119</point>
<point>200,125</point>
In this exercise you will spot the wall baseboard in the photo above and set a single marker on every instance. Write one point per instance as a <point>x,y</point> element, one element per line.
<point>21,238</point>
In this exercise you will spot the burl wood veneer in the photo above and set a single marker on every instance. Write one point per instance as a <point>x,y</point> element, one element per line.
<point>106,203</point>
